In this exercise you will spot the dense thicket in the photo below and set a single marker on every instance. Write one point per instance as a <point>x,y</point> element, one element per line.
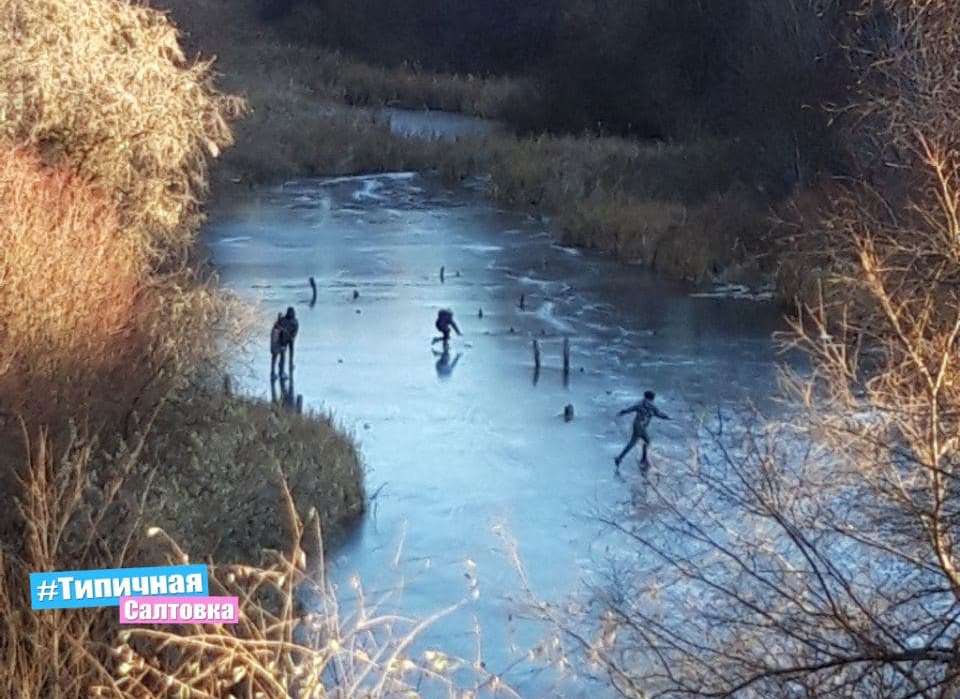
<point>462,36</point>
<point>666,69</point>
<point>672,67</point>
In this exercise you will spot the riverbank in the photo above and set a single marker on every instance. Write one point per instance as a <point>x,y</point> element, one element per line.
<point>687,211</point>
<point>698,211</point>
<point>113,337</point>
<point>263,60</point>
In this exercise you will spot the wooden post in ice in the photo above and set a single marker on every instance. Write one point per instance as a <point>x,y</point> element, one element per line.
<point>566,356</point>
<point>536,362</point>
<point>442,271</point>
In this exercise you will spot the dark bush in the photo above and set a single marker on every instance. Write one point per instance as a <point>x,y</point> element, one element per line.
<point>274,9</point>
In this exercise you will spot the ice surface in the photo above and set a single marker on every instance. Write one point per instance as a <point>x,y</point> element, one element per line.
<point>467,443</point>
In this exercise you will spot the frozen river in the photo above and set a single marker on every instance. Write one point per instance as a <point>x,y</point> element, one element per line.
<point>466,446</point>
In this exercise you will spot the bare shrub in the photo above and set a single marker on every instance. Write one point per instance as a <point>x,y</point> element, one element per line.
<point>103,87</point>
<point>818,557</point>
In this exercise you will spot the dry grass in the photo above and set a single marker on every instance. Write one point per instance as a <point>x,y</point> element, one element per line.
<point>70,277</point>
<point>325,74</point>
<point>719,238</point>
<point>220,445</point>
<point>671,207</point>
<point>361,84</point>
<point>109,329</point>
<point>107,132</point>
<point>62,512</point>
<point>279,649</point>
<point>104,89</point>
<point>86,322</point>
<point>87,330</point>
<point>631,229</point>
<point>679,209</point>
<point>296,135</point>
<point>652,202</point>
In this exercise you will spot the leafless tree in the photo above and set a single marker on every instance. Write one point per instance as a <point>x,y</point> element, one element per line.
<point>818,556</point>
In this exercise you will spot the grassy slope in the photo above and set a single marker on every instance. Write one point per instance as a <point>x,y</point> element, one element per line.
<point>229,453</point>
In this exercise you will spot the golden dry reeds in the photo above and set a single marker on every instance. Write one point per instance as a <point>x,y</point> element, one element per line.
<point>63,514</point>
<point>103,88</point>
<point>70,278</point>
<point>296,637</point>
<point>104,142</point>
<point>86,322</point>
<point>106,133</point>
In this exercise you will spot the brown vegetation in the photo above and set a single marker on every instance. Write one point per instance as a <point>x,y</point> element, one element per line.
<point>79,302</point>
<point>279,649</point>
<point>211,449</point>
<point>818,557</point>
<point>109,333</point>
<point>106,136</point>
<point>119,105</point>
<point>256,56</point>
<point>615,195</point>
<point>673,208</point>
<point>690,209</point>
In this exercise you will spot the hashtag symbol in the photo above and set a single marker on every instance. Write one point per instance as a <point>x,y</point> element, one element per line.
<point>46,591</point>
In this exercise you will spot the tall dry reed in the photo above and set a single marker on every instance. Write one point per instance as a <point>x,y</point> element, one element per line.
<point>70,278</point>
<point>297,636</point>
<point>106,133</point>
<point>103,88</point>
